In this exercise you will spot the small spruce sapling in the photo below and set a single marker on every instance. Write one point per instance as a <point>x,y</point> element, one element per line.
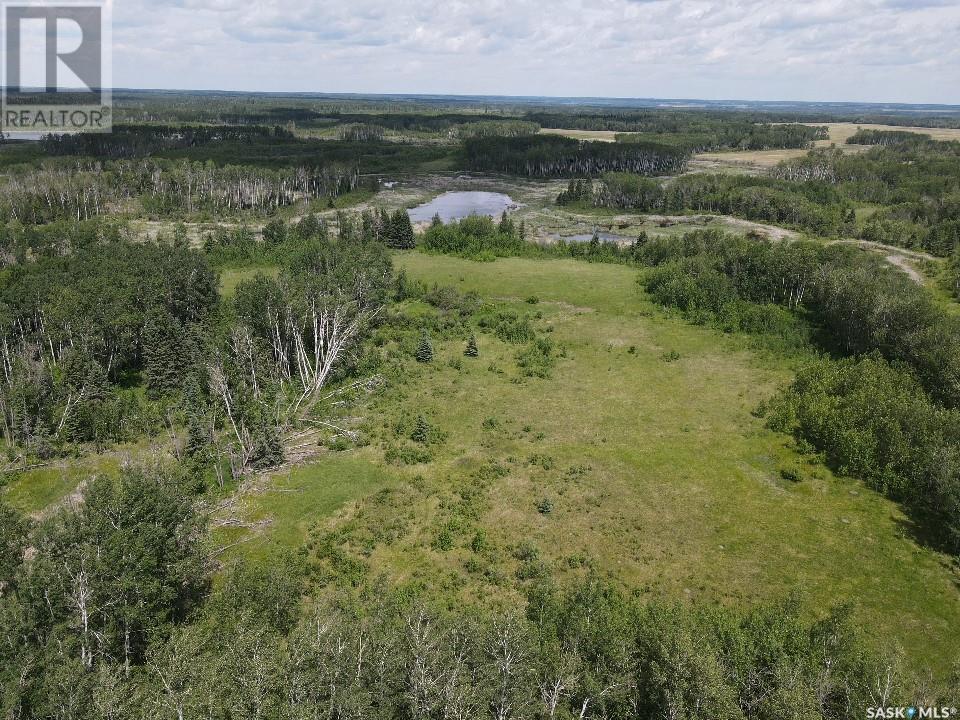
<point>472,350</point>
<point>421,431</point>
<point>425,349</point>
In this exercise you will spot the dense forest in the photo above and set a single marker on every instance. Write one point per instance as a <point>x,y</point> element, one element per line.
<point>140,140</point>
<point>88,189</point>
<point>553,156</point>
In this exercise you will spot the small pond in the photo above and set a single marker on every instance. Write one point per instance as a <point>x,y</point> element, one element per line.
<point>458,205</point>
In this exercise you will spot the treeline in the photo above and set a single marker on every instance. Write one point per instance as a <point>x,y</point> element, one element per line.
<point>814,206</point>
<point>111,616</point>
<point>917,180</point>
<point>476,237</point>
<point>555,156</point>
<point>360,132</point>
<point>129,141</point>
<point>480,238</point>
<point>430,123</point>
<point>281,239</point>
<point>20,243</point>
<point>868,136</point>
<point>872,420</point>
<point>889,416</point>
<point>735,136</point>
<point>76,333</point>
<point>255,145</point>
<point>454,124</point>
<point>695,131</point>
<point>492,128</point>
<point>163,187</point>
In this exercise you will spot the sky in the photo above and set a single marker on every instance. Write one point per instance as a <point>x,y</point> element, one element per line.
<point>837,50</point>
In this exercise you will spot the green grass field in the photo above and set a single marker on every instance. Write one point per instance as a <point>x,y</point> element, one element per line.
<point>643,445</point>
<point>231,277</point>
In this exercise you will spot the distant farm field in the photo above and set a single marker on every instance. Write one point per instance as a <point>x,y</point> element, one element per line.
<point>839,132</point>
<point>758,160</point>
<point>746,158</point>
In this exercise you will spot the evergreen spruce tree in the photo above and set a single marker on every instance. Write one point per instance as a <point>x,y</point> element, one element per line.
<point>267,448</point>
<point>198,437</point>
<point>162,352</point>
<point>383,225</point>
<point>369,222</point>
<point>472,349</point>
<point>421,431</point>
<point>425,349</point>
<point>506,224</point>
<point>401,231</point>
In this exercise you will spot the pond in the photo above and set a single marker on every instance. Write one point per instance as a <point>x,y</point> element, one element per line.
<point>460,204</point>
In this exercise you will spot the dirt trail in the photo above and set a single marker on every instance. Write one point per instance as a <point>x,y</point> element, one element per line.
<point>898,257</point>
<point>881,247</point>
<point>901,262</point>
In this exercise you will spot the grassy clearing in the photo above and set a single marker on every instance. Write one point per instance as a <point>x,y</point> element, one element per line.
<point>638,458</point>
<point>36,491</point>
<point>231,277</point>
<point>598,135</point>
<point>285,508</point>
<point>751,158</point>
<point>758,160</point>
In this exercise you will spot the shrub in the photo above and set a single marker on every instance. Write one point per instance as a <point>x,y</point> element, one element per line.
<point>444,539</point>
<point>791,473</point>
<point>536,360</point>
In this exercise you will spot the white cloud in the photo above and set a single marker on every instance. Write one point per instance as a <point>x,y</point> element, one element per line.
<point>881,50</point>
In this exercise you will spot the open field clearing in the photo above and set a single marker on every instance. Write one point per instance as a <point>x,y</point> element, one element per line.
<point>840,132</point>
<point>757,160</point>
<point>760,160</point>
<point>598,135</point>
<point>639,457</point>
